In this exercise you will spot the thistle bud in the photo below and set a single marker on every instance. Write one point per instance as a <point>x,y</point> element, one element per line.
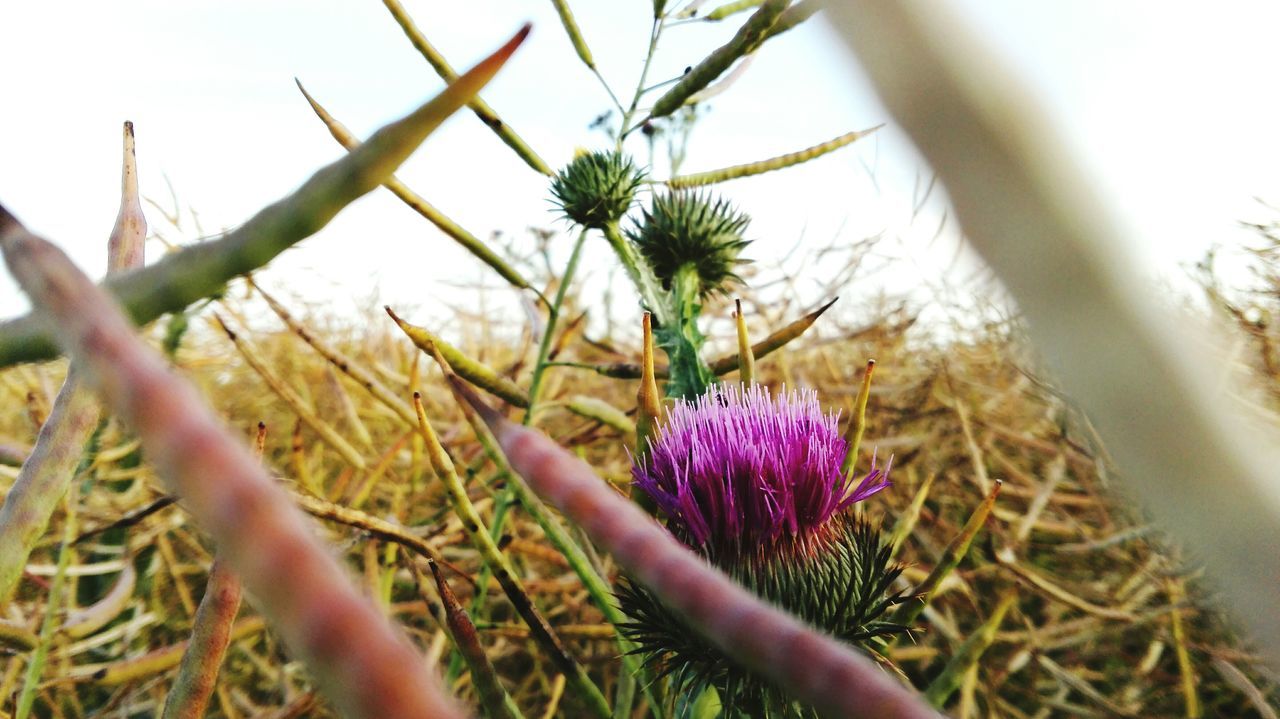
<point>686,229</point>
<point>597,188</point>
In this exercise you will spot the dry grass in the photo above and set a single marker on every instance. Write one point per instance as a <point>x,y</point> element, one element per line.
<point>1108,619</point>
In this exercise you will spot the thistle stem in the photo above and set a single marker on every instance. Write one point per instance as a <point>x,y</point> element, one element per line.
<point>640,273</point>
<point>689,375</point>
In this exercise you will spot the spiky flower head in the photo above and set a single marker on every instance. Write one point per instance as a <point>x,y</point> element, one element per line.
<point>686,228</point>
<point>597,188</point>
<point>753,482</point>
<point>740,472</point>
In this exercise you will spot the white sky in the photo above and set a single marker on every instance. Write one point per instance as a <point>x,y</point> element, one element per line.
<point>1172,105</point>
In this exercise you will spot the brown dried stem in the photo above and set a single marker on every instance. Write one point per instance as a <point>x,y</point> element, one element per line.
<point>365,666</point>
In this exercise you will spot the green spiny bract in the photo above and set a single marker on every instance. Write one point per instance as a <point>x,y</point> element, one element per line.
<point>837,580</point>
<point>597,188</point>
<point>690,229</point>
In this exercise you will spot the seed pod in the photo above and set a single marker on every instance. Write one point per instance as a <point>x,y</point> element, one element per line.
<point>729,9</point>
<point>747,39</point>
<point>968,654</point>
<point>858,422</point>
<point>951,557</point>
<point>493,696</point>
<point>774,163</point>
<point>87,620</point>
<point>474,372</point>
<point>125,246</point>
<point>601,411</point>
<point>331,436</point>
<point>475,103</point>
<point>419,205</point>
<point>363,663</point>
<point>575,35</point>
<point>746,358</point>
<point>201,270</point>
<point>497,562</point>
<point>793,16</point>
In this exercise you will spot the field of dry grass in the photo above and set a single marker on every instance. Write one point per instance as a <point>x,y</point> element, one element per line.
<point>1095,614</point>
<point>1030,586</point>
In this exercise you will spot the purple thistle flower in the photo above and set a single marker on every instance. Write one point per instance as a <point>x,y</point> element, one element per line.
<point>738,472</point>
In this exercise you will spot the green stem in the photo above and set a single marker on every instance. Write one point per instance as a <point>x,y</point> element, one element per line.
<point>596,586</point>
<point>553,316</point>
<point>502,570</point>
<point>688,375</point>
<point>641,275</point>
<point>502,505</point>
<point>35,666</point>
<point>654,34</point>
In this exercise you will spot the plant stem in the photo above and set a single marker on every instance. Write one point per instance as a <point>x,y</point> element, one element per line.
<point>654,34</point>
<point>35,665</point>
<point>688,375</point>
<point>638,270</point>
<point>502,506</point>
<point>553,316</point>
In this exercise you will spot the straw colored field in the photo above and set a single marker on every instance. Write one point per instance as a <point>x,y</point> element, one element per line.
<point>1105,619</point>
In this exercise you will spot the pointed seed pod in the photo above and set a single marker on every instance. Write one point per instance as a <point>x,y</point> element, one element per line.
<point>125,246</point>
<point>857,423</point>
<point>790,159</point>
<point>493,696</point>
<point>746,358</point>
<point>474,372</point>
<point>749,37</point>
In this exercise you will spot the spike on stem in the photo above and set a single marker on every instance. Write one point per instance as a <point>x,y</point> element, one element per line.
<point>746,358</point>
<point>493,696</point>
<point>476,373</point>
<point>857,424</point>
<point>951,557</point>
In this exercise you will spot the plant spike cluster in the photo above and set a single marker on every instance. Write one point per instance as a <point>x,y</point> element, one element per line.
<point>597,188</point>
<point>694,230</point>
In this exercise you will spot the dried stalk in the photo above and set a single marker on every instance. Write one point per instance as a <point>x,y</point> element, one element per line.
<point>363,663</point>
<point>202,270</point>
<point>1038,220</point>
<point>49,468</point>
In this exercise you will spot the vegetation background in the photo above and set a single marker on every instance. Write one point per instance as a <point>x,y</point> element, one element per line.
<point>1106,617</point>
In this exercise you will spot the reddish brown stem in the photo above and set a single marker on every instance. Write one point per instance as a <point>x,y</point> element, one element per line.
<point>363,663</point>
